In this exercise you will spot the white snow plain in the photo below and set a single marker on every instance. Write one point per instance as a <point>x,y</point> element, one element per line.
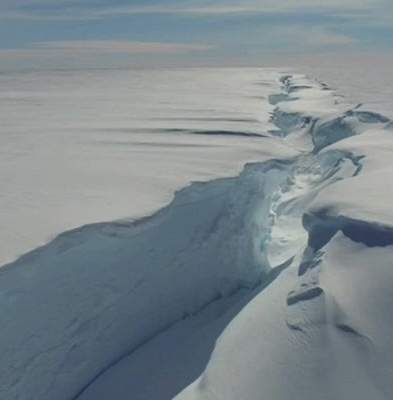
<point>270,280</point>
<point>81,147</point>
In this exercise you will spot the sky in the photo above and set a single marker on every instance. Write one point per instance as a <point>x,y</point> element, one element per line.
<point>118,33</point>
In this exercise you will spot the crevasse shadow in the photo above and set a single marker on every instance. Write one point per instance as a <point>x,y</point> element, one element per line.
<point>162,367</point>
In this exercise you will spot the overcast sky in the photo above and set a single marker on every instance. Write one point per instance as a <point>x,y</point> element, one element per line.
<point>107,33</point>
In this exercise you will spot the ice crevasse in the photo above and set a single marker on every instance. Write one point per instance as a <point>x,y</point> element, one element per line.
<point>279,275</point>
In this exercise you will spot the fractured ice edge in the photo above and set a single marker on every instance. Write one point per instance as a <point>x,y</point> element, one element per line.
<point>241,286</point>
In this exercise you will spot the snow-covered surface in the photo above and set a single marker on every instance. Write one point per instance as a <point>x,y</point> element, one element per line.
<point>373,183</point>
<point>83,147</point>
<point>321,329</point>
<point>361,78</point>
<point>269,279</point>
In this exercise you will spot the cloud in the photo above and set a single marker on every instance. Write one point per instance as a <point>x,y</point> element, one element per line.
<point>251,7</point>
<point>94,53</point>
<point>315,37</point>
<point>80,47</point>
<point>297,38</point>
<point>86,52</point>
<point>233,30</point>
<point>50,9</point>
<point>118,47</point>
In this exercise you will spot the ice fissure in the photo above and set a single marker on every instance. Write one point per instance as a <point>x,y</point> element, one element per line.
<point>215,240</point>
<point>280,237</point>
